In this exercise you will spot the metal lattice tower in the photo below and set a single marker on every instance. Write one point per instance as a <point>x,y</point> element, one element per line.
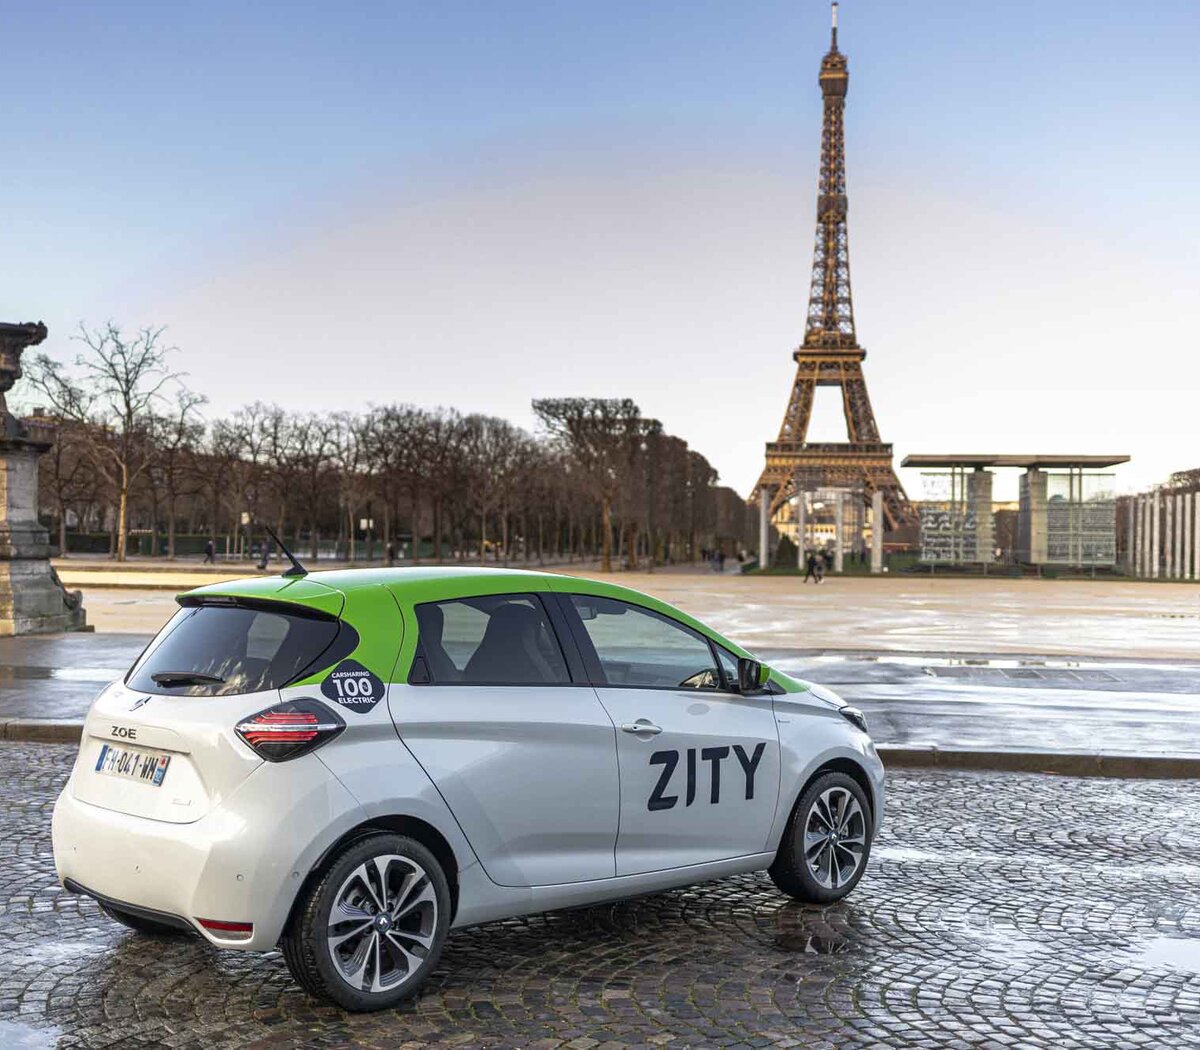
<point>830,354</point>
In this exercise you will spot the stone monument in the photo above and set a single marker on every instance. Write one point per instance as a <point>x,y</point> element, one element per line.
<point>32,598</point>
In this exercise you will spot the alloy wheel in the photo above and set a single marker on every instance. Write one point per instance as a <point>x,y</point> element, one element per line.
<point>382,923</point>
<point>835,837</point>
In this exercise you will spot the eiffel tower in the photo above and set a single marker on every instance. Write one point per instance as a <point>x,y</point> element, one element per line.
<point>830,354</point>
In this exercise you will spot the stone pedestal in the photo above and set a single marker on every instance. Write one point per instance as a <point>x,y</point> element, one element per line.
<point>32,599</point>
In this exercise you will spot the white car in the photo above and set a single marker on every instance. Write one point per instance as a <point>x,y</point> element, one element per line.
<point>347,765</point>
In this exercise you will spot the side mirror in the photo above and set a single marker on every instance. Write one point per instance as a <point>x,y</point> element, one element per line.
<point>752,675</point>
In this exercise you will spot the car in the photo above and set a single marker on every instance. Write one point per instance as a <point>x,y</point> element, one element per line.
<point>348,764</point>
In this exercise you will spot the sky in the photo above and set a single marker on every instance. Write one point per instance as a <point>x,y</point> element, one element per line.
<point>479,203</point>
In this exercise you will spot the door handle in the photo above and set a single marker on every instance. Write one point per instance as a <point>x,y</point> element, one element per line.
<point>642,725</point>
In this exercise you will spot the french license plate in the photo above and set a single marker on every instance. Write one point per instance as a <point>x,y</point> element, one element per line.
<point>131,763</point>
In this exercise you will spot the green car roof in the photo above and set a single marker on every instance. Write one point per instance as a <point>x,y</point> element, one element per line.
<point>328,590</point>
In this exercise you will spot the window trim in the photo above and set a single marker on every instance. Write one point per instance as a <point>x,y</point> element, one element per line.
<point>539,598</point>
<point>591,657</point>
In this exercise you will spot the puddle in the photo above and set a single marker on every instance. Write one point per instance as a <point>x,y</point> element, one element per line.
<point>1176,953</point>
<point>16,1036</point>
<point>52,952</point>
<point>903,853</point>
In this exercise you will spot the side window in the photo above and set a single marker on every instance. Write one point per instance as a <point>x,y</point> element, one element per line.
<point>498,639</point>
<point>637,647</point>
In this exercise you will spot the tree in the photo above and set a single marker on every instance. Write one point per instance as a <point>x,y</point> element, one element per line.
<point>597,433</point>
<point>66,475</point>
<point>495,452</point>
<point>177,436</point>
<point>112,392</point>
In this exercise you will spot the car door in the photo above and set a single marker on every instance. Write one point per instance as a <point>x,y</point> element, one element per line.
<point>699,764</point>
<point>520,747</point>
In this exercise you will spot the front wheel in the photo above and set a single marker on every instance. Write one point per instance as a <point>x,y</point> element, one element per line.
<point>828,839</point>
<point>370,930</point>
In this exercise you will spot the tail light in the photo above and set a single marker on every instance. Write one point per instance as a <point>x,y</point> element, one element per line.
<point>290,730</point>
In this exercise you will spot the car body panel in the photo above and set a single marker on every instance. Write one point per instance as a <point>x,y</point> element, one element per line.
<point>530,774</point>
<point>684,791</point>
<point>207,762</point>
<point>813,734</point>
<point>483,901</point>
<point>244,861</point>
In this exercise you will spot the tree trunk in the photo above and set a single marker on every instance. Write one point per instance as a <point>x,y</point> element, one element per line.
<point>122,524</point>
<point>606,538</point>
<point>62,532</point>
<point>171,528</point>
<point>414,504</point>
<point>482,538</point>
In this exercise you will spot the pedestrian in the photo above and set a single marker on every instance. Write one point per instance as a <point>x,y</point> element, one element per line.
<point>209,553</point>
<point>721,560</point>
<point>391,554</point>
<point>820,567</point>
<point>267,550</point>
<point>810,568</point>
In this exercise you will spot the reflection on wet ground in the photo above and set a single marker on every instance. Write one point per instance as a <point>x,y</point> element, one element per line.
<point>1038,703</point>
<point>16,1036</point>
<point>1179,953</point>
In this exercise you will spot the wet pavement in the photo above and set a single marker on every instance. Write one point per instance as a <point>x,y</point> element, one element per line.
<point>1035,703</point>
<point>998,910</point>
<point>973,701</point>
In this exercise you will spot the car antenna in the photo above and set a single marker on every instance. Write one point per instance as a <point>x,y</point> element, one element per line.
<point>297,569</point>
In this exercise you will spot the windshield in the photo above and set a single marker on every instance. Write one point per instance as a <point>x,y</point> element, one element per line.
<point>211,650</point>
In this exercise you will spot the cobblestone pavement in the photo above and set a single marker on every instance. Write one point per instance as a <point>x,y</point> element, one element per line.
<point>999,910</point>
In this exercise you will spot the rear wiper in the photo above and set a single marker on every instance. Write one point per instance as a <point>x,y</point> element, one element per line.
<point>186,678</point>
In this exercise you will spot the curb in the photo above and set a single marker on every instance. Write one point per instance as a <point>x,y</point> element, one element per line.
<point>895,756</point>
<point>41,730</point>
<point>1062,763</point>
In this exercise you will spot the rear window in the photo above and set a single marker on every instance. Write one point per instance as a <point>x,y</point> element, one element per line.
<point>223,650</point>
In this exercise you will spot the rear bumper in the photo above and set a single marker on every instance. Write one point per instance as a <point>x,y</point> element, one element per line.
<point>177,921</point>
<point>242,862</point>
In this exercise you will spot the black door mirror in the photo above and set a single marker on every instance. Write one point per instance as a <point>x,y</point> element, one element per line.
<point>750,675</point>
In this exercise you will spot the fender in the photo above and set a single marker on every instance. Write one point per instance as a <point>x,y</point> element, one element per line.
<point>807,724</point>
<point>377,756</point>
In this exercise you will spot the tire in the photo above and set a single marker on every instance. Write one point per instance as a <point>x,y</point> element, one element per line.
<point>394,903</point>
<point>834,802</point>
<point>141,925</point>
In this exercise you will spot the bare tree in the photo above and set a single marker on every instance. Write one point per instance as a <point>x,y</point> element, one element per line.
<point>66,474</point>
<point>494,449</point>
<point>177,435</point>
<point>112,392</point>
<point>597,433</point>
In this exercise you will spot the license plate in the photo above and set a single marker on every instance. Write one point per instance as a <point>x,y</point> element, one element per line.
<point>131,763</point>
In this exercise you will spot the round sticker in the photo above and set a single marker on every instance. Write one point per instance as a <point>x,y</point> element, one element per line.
<point>352,685</point>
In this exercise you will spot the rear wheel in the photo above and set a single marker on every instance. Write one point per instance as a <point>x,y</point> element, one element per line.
<point>140,924</point>
<point>828,839</point>
<point>370,930</point>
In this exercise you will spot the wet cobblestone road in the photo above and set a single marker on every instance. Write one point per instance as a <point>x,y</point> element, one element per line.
<point>999,910</point>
